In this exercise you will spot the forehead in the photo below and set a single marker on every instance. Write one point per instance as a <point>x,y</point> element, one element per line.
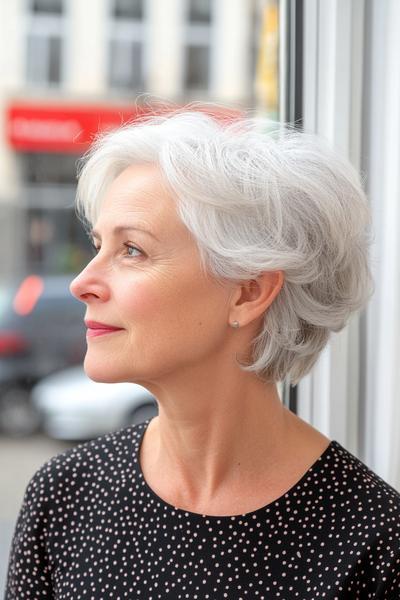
<point>139,194</point>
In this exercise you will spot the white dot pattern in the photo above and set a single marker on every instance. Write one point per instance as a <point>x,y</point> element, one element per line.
<point>90,527</point>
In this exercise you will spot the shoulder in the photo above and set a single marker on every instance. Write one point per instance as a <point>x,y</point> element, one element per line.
<point>99,460</point>
<point>359,519</point>
<point>365,505</point>
<point>361,481</point>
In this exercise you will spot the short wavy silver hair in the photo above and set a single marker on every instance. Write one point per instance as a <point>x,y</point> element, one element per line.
<point>256,199</point>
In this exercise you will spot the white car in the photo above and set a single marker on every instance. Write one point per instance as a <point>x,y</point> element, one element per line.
<point>73,407</point>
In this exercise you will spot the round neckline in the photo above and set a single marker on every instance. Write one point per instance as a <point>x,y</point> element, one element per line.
<point>275,504</point>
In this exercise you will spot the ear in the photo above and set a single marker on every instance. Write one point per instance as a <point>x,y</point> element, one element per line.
<point>252,298</point>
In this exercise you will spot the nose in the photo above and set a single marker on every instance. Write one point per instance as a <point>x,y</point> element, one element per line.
<point>88,286</point>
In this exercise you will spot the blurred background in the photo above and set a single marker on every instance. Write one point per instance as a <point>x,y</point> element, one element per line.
<point>69,69</point>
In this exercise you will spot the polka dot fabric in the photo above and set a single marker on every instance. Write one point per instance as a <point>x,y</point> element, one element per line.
<point>91,528</point>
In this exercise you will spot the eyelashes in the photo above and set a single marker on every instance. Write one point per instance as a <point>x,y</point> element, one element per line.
<point>136,252</point>
<point>135,248</point>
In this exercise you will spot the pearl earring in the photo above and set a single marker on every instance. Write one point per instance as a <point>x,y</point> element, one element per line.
<point>235,324</point>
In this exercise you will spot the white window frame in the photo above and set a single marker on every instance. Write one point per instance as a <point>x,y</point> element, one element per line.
<point>129,31</point>
<point>200,35</point>
<point>381,440</point>
<point>329,397</point>
<point>46,26</point>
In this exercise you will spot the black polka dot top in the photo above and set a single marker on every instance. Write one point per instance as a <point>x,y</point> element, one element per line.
<point>91,528</point>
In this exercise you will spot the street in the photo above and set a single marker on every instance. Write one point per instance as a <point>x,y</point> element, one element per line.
<point>19,459</point>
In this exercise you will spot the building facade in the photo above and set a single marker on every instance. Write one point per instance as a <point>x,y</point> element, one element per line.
<point>71,68</point>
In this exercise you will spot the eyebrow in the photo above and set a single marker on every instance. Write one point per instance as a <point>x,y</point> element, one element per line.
<point>121,228</point>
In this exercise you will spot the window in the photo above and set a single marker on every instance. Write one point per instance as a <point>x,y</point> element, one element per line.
<point>44,59</point>
<point>126,46</point>
<point>128,9</point>
<point>54,7</point>
<point>53,238</point>
<point>197,67</point>
<point>199,11</point>
<point>39,168</point>
<point>44,43</point>
<point>55,241</point>
<point>126,58</point>
<point>197,45</point>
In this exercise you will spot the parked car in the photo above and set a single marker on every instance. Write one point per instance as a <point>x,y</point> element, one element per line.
<point>41,331</point>
<point>74,407</point>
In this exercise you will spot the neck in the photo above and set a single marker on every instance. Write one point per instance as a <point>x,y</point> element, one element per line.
<point>216,437</point>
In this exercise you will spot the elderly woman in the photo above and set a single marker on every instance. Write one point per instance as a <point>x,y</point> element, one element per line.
<point>225,256</point>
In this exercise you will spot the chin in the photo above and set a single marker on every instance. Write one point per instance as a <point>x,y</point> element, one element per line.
<point>101,373</point>
<point>101,377</point>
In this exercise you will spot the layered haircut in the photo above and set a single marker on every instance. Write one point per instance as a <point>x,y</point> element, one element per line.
<point>256,199</point>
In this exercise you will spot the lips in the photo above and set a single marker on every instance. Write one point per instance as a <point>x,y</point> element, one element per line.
<point>96,329</point>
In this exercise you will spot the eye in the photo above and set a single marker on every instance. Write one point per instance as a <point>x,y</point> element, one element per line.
<point>132,251</point>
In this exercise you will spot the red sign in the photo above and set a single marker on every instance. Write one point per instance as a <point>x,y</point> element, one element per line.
<point>36,128</point>
<point>70,128</point>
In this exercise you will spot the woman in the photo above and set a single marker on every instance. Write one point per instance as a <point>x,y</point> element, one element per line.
<point>225,256</point>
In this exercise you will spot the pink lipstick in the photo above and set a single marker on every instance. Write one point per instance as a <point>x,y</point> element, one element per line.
<point>95,329</point>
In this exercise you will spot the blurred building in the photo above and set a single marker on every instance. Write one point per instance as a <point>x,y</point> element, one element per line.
<point>72,67</point>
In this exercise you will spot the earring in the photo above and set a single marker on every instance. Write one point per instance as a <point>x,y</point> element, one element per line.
<point>235,324</point>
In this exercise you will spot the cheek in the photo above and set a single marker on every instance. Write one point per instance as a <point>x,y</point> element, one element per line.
<point>172,303</point>
<point>140,300</point>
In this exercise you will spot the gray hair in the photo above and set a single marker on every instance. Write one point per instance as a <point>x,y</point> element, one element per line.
<point>256,199</point>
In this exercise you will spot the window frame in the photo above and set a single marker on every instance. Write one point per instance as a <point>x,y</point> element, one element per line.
<point>128,31</point>
<point>46,26</point>
<point>197,34</point>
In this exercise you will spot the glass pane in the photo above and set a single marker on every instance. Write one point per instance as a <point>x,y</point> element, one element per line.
<point>54,60</point>
<point>56,242</point>
<point>43,60</point>
<point>197,67</point>
<point>37,54</point>
<point>125,64</point>
<point>128,9</point>
<point>54,7</point>
<point>46,168</point>
<point>199,11</point>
